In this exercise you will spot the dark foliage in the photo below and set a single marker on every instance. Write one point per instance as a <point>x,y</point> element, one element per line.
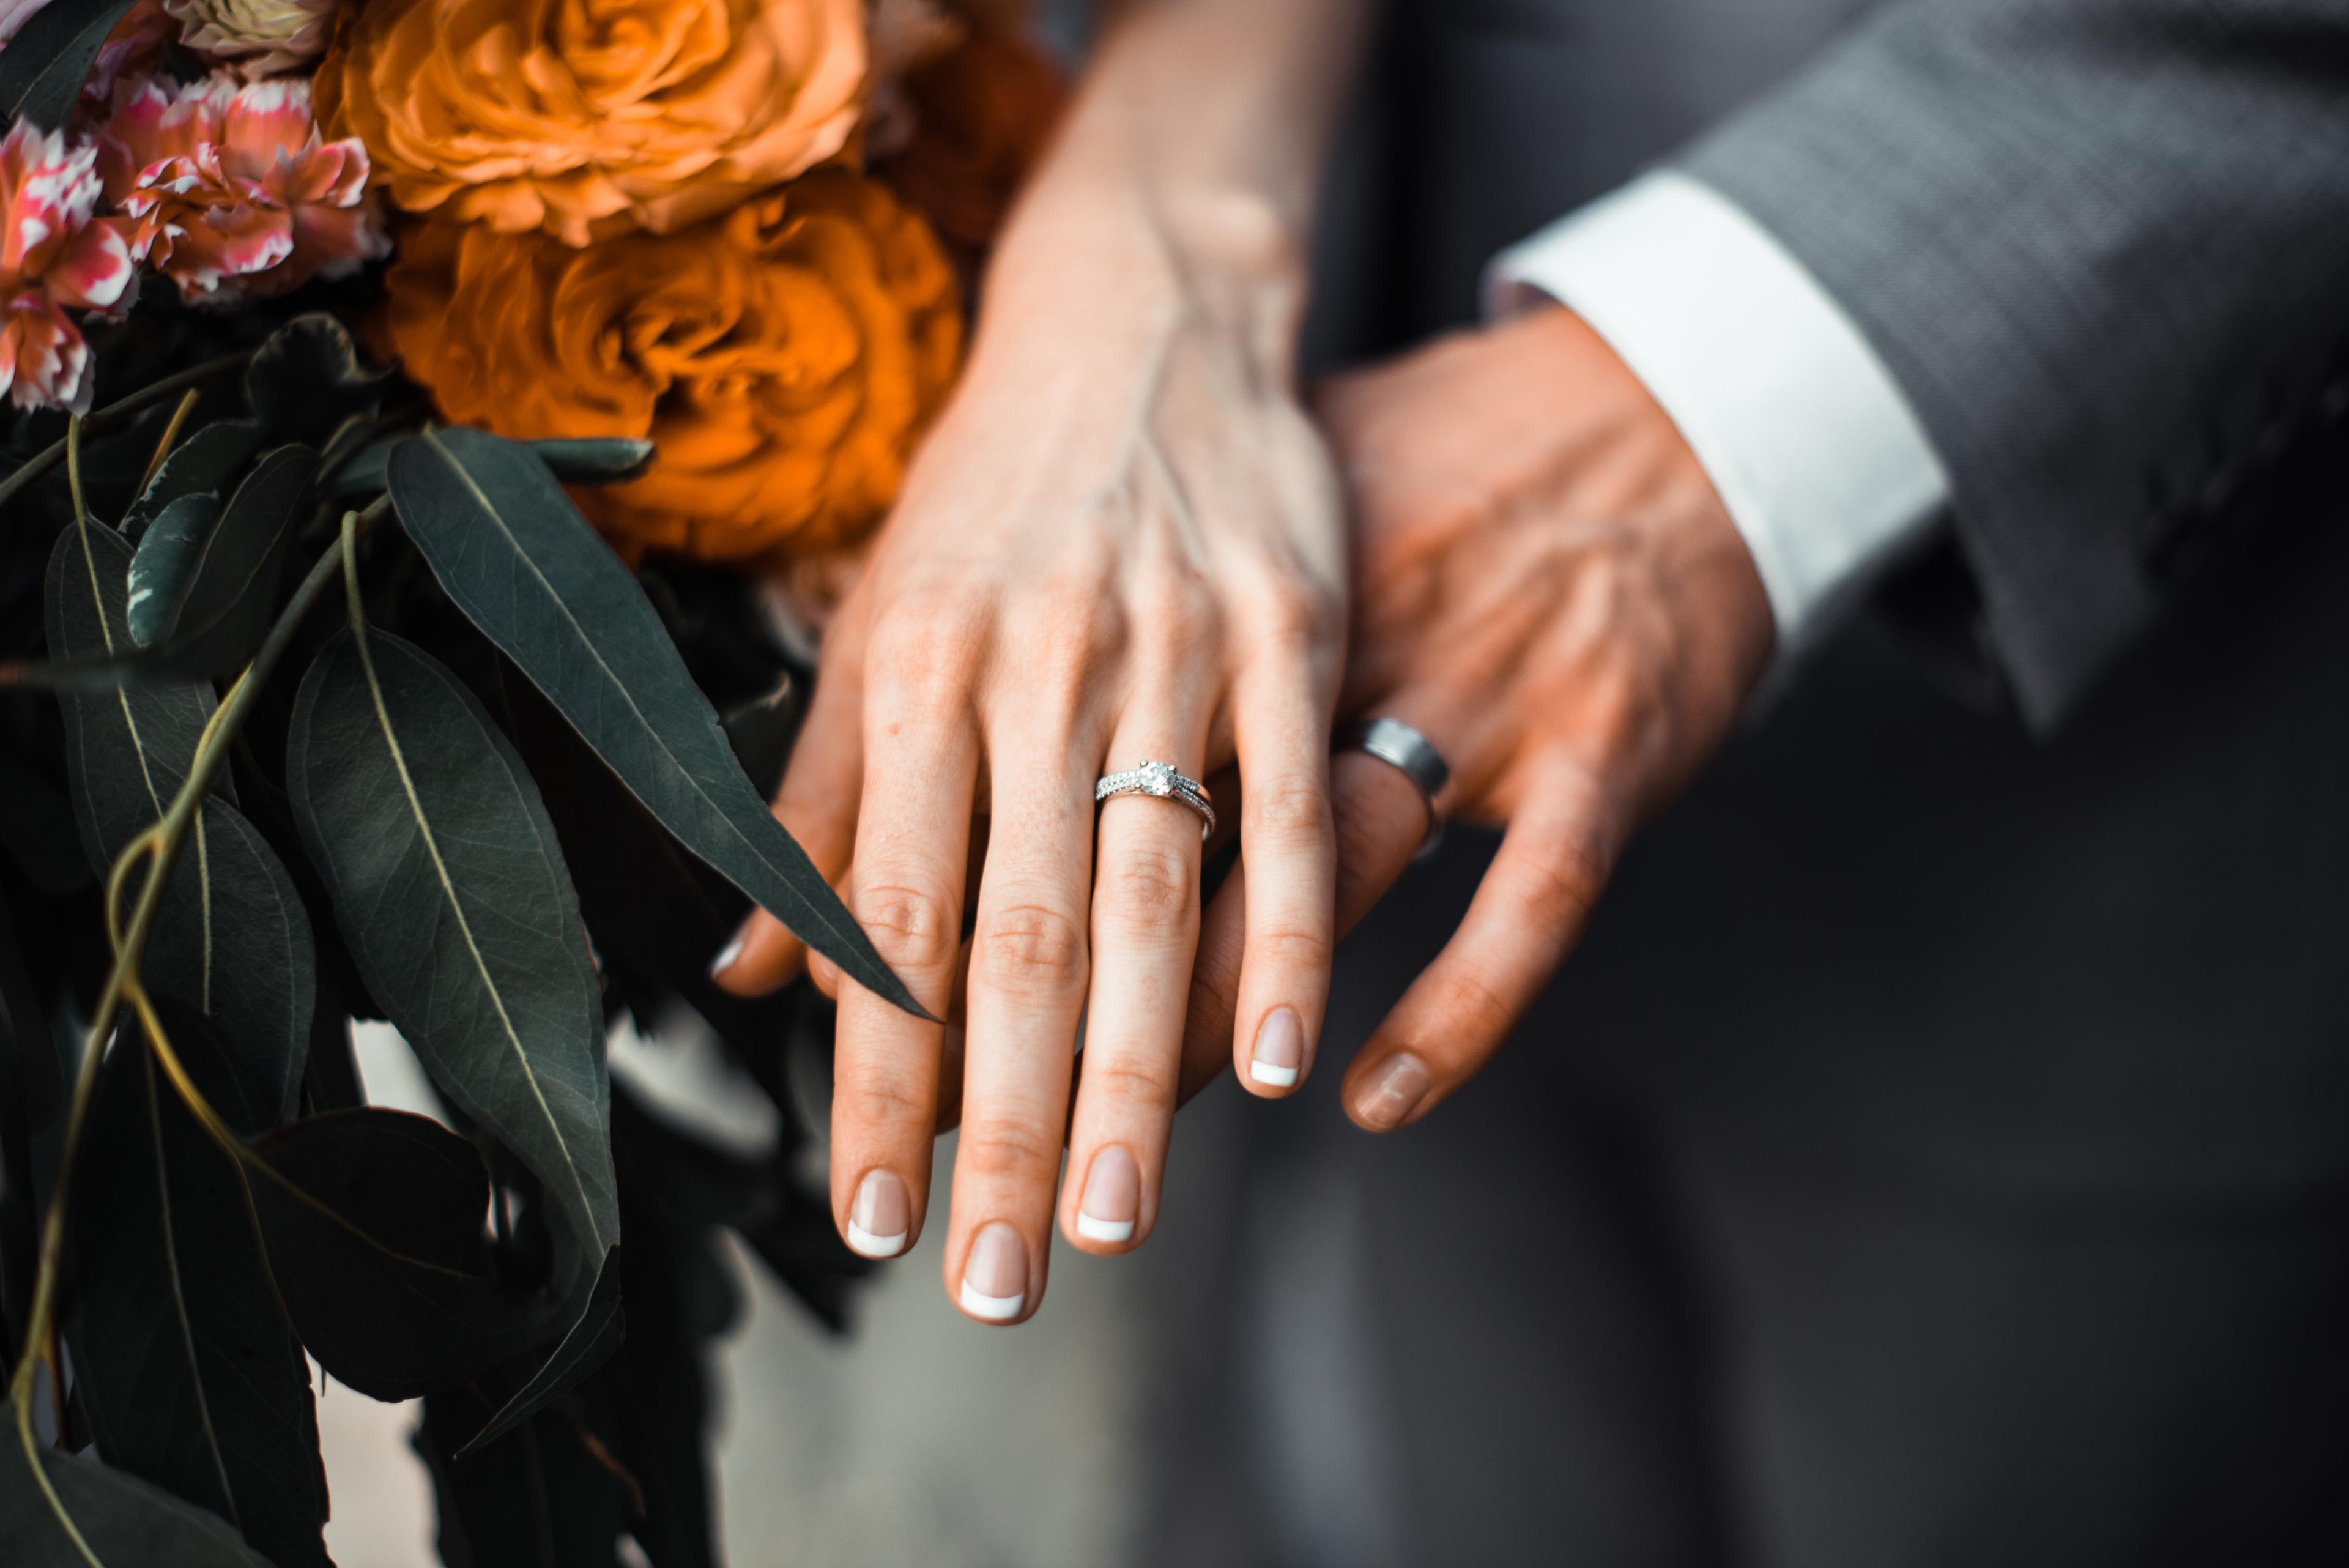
<point>510,792</point>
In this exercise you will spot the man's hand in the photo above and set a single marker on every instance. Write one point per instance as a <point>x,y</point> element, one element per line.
<point>1547,585</point>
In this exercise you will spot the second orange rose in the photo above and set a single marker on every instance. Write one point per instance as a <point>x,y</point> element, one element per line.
<point>783,359</point>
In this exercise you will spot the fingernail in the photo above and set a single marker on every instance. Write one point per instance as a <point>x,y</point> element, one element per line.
<point>728,953</point>
<point>994,1275</point>
<point>882,1216</point>
<point>1113,1198</point>
<point>1279,1050</point>
<point>1395,1093</point>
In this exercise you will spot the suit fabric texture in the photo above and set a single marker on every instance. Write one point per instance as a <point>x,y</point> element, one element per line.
<point>1937,1152</point>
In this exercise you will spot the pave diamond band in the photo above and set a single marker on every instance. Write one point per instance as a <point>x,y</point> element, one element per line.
<point>1161,780</point>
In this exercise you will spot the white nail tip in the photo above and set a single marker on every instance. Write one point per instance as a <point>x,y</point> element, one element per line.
<point>726,957</point>
<point>993,1309</point>
<point>1276,1077</point>
<point>1093,1230</point>
<point>873,1246</point>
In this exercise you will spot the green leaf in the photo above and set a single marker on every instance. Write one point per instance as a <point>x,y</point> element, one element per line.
<point>308,379</point>
<point>121,1521</point>
<point>599,461</point>
<point>453,899</point>
<point>520,561</point>
<point>201,464</point>
<point>223,609</point>
<point>191,1378</point>
<point>230,939</point>
<point>165,559</point>
<point>373,1220</point>
<point>44,66</point>
<point>595,459</point>
<point>231,596</point>
<point>362,476</point>
<point>598,1332</point>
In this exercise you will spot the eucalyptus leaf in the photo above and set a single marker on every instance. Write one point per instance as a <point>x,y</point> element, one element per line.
<point>519,560</point>
<point>600,1328</point>
<point>121,1521</point>
<point>308,379</point>
<point>593,460</point>
<point>165,559</point>
<point>44,66</point>
<point>373,1220</point>
<point>231,938</point>
<point>362,476</point>
<point>225,611</point>
<point>452,895</point>
<point>201,464</point>
<point>185,1364</point>
<point>599,459</point>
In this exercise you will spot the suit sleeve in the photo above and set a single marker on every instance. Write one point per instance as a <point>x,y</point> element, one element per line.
<point>2103,247</point>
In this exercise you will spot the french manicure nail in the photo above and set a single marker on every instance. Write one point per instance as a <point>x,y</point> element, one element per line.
<point>1279,1054</point>
<point>1113,1198</point>
<point>1395,1093</point>
<point>994,1275</point>
<point>882,1216</point>
<point>728,953</point>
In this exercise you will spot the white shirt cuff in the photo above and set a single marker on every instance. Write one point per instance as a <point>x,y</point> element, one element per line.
<point>1815,450</point>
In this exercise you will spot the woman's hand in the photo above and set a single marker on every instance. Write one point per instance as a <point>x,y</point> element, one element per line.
<point>1121,545</point>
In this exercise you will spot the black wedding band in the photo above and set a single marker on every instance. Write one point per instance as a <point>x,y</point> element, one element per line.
<point>1411,754</point>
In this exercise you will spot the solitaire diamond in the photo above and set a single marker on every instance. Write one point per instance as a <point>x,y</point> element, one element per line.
<point>1158,778</point>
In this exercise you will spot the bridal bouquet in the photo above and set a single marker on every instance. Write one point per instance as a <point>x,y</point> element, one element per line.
<point>411,402</point>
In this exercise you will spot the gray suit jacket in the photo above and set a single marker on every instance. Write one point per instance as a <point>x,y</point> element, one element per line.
<point>2103,246</point>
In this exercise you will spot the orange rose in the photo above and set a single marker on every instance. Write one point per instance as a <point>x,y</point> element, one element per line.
<point>783,359</point>
<point>982,114</point>
<point>592,116</point>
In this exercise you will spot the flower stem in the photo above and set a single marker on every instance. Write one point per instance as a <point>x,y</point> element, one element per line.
<point>187,402</point>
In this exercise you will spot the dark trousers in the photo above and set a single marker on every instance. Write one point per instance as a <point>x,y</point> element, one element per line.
<point>1560,1322</point>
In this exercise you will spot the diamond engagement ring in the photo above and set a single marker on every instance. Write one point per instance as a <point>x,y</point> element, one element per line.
<point>1411,754</point>
<point>1160,779</point>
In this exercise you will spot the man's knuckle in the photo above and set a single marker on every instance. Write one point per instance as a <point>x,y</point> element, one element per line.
<point>1028,948</point>
<point>1563,878</point>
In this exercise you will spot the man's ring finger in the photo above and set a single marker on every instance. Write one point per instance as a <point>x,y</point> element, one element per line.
<point>1413,755</point>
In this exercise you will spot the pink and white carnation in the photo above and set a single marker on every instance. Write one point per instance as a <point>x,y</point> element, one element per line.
<point>235,193</point>
<point>55,255</point>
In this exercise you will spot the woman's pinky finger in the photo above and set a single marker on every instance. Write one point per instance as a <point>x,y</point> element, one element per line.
<point>1528,914</point>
